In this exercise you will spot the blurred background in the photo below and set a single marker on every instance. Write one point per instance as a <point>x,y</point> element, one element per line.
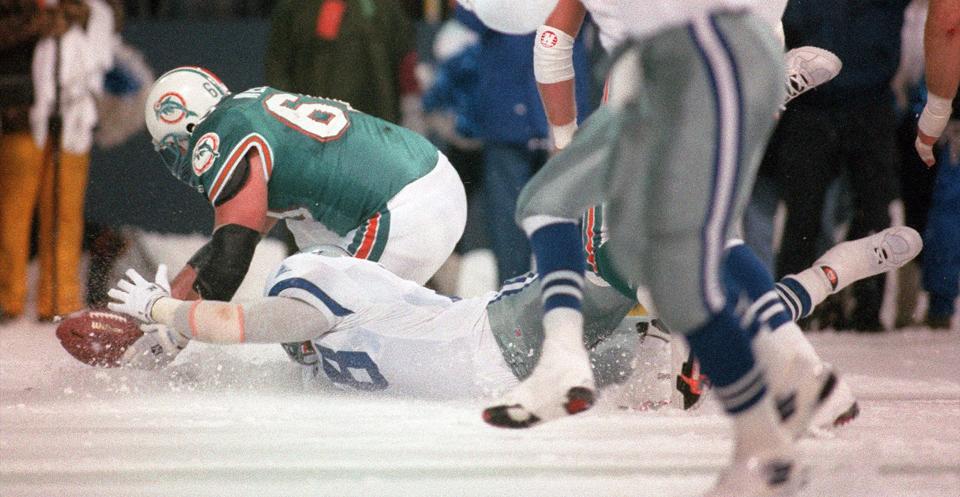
<point>840,164</point>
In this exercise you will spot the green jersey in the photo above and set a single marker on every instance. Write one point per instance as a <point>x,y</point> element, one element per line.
<point>321,158</point>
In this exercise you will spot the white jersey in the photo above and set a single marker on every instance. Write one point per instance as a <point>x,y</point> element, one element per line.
<point>638,19</point>
<point>393,334</point>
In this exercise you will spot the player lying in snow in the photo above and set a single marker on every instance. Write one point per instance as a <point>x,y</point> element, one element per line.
<point>374,330</point>
<point>333,174</point>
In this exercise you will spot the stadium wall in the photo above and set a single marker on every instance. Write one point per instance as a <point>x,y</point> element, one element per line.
<point>129,186</point>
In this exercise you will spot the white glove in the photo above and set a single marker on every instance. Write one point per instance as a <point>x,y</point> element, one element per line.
<point>157,348</point>
<point>137,296</point>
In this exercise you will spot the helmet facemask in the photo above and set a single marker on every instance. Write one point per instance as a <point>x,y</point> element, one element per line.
<point>173,152</point>
<point>177,103</point>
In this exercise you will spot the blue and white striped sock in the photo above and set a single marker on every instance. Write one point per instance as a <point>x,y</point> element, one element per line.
<point>727,359</point>
<point>560,263</point>
<point>793,294</point>
<point>745,273</point>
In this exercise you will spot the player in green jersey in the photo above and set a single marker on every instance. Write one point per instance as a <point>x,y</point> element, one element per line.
<point>335,175</point>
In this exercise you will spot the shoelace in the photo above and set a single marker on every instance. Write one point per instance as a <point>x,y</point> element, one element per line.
<point>882,255</point>
<point>796,84</point>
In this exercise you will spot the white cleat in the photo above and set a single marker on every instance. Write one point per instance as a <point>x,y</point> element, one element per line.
<point>773,474</point>
<point>855,260</point>
<point>801,392</point>
<point>808,394</point>
<point>838,409</point>
<point>808,68</point>
<point>896,246</point>
<point>561,385</point>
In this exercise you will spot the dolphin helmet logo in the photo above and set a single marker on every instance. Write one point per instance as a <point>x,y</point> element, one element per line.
<point>205,153</point>
<point>171,108</point>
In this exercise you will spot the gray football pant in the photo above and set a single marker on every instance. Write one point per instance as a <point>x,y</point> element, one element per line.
<point>675,162</point>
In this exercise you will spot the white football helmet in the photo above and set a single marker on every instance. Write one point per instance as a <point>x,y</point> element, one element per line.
<point>177,102</point>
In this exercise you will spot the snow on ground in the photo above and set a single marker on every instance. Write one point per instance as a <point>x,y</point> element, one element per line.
<point>238,421</point>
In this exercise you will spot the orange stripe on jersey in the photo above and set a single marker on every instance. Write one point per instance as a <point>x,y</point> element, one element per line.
<point>267,161</point>
<point>591,254</point>
<point>240,324</point>
<point>192,318</point>
<point>369,236</point>
<point>606,91</point>
<point>238,153</point>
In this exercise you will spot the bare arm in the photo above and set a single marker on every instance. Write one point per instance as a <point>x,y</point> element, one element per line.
<point>219,266</point>
<point>558,96</point>
<point>942,60</point>
<point>941,40</point>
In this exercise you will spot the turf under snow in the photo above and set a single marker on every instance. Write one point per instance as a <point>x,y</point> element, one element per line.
<point>238,421</point>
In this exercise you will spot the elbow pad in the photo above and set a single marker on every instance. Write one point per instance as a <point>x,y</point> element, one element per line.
<point>201,257</point>
<point>231,251</point>
<point>552,55</point>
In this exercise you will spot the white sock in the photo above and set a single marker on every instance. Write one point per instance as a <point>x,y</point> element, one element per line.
<point>776,350</point>
<point>790,338</point>
<point>769,353</point>
<point>563,326</point>
<point>757,430</point>
<point>816,282</point>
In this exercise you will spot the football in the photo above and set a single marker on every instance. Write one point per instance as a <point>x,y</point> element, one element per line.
<point>98,337</point>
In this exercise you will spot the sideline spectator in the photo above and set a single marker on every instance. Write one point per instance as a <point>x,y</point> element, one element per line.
<point>513,125</point>
<point>359,51</point>
<point>848,125</point>
<point>942,74</point>
<point>916,181</point>
<point>941,239</point>
<point>36,169</point>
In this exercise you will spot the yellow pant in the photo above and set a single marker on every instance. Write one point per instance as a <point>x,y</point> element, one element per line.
<point>26,182</point>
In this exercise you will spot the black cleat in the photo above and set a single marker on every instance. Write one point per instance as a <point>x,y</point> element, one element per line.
<point>499,416</point>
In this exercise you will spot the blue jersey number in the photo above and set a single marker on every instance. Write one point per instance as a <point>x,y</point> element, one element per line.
<point>337,366</point>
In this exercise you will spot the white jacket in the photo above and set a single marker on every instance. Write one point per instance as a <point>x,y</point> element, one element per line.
<point>85,56</point>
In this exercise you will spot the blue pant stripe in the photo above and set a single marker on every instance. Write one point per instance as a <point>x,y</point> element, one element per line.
<point>305,285</point>
<point>722,75</point>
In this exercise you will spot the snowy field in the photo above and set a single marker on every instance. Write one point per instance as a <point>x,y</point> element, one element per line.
<point>238,421</point>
